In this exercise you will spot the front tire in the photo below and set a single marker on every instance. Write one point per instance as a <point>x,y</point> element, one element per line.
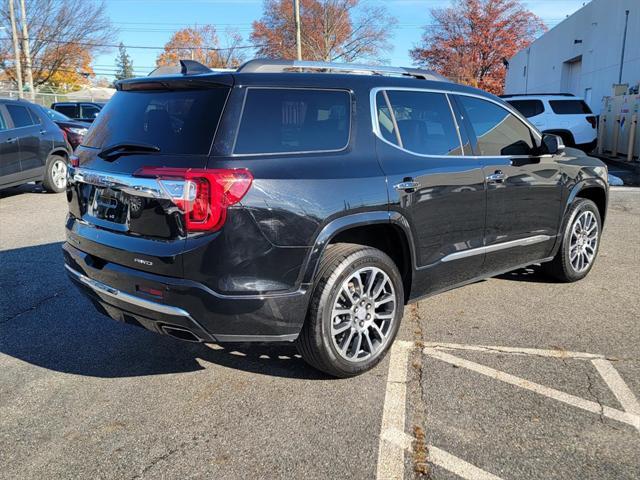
<point>55,174</point>
<point>580,243</point>
<point>355,310</point>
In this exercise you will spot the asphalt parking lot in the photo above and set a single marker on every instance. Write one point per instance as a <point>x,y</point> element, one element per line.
<point>511,378</point>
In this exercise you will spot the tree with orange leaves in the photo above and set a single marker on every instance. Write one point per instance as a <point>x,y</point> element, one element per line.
<point>201,43</point>
<point>332,30</point>
<point>471,41</point>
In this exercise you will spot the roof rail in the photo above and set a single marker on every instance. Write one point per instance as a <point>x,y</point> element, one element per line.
<point>187,67</point>
<point>278,66</point>
<point>538,95</point>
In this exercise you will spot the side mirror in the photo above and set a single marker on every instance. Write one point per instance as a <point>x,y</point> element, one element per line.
<point>553,144</point>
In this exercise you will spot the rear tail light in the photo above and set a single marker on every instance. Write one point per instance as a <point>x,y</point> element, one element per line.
<point>203,195</point>
<point>592,120</point>
<point>74,160</point>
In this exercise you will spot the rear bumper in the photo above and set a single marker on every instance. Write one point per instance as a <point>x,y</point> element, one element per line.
<point>185,309</point>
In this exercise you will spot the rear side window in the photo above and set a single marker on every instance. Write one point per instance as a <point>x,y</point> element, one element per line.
<point>175,121</point>
<point>293,120</point>
<point>570,107</point>
<point>90,111</point>
<point>20,116</point>
<point>499,132</point>
<point>528,108</point>
<point>424,122</point>
<point>68,110</point>
<point>3,123</point>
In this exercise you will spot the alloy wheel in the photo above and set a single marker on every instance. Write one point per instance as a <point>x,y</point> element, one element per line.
<point>363,313</point>
<point>584,241</point>
<point>59,173</point>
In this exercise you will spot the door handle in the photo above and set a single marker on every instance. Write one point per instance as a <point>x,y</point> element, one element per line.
<point>43,131</point>
<point>496,177</point>
<point>407,185</point>
<point>11,140</point>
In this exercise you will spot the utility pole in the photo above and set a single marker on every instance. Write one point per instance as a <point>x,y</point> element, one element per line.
<point>27,51</point>
<point>16,50</point>
<point>296,8</point>
<point>624,44</point>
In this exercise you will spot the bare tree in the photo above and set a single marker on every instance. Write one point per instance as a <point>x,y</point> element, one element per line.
<point>332,30</point>
<point>63,34</point>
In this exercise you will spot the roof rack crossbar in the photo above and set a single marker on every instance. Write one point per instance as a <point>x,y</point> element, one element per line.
<point>278,66</point>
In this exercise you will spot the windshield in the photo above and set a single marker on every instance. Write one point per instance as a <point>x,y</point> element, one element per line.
<point>56,116</point>
<point>176,121</point>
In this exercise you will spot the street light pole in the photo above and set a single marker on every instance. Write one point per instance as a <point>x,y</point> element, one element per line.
<point>16,50</point>
<point>624,44</point>
<point>296,8</point>
<point>27,51</point>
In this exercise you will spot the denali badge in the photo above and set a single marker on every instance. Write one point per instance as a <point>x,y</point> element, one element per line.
<point>143,262</point>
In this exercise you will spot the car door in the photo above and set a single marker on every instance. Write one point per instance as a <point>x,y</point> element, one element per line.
<point>524,187</point>
<point>28,132</point>
<point>432,184</point>
<point>9,150</point>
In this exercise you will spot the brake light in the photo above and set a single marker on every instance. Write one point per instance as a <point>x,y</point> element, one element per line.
<point>203,195</point>
<point>74,160</point>
<point>592,120</point>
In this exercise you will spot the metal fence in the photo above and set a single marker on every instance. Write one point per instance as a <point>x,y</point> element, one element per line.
<point>46,99</point>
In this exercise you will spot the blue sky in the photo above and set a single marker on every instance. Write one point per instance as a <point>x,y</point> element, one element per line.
<point>151,22</point>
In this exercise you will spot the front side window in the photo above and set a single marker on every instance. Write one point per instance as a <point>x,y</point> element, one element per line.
<point>280,120</point>
<point>423,120</point>
<point>90,111</point>
<point>70,111</point>
<point>20,116</point>
<point>528,108</point>
<point>499,132</point>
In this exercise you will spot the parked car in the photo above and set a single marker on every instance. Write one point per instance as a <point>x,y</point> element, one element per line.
<point>84,111</point>
<point>73,130</point>
<point>310,206</point>
<point>561,114</point>
<point>32,147</point>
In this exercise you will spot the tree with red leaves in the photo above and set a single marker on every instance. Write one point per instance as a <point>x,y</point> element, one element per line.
<point>332,30</point>
<point>471,40</point>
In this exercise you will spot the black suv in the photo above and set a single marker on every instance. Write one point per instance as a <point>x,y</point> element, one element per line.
<point>32,147</point>
<point>309,202</point>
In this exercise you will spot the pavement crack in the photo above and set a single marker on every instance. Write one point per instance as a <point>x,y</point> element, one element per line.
<point>32,307</point>
<point>593,395</point>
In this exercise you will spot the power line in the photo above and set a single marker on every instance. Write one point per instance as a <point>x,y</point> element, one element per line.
<point>147,47</point>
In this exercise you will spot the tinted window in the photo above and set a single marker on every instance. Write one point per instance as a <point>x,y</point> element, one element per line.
<point>528,108</point>
<point>385,120</point>
<point>70,111</point>
<point>498,131</point>
<point>90,111</point>
<point>19,115</point>
<point>56,116</point>
<point>177,121</point>
<point>424,121</point>
<point>570,107</point>
<point>293,120</point>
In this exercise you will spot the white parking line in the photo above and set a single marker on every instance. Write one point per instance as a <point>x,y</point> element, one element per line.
<point>458,466</point>
<point>394,441</point>
<point>557,353</point>
<point>620,389</point>
<point>620,416</point>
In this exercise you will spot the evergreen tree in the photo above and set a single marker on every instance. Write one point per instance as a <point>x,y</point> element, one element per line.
<point>124,64</point>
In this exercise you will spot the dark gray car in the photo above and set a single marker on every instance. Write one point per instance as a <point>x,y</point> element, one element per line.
<point>32,147</point>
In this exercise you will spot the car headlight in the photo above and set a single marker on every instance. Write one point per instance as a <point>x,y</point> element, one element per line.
<point>78,131</point>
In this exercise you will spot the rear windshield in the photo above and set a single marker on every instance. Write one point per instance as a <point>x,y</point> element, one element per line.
<point>528,108</point>
<point>281,120</point>
<point>176,121</point>
<point>570,107</point>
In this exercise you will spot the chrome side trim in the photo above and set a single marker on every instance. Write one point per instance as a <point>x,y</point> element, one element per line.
<point>257,338</point>
<point>100,287</point>
<point>496,247</point>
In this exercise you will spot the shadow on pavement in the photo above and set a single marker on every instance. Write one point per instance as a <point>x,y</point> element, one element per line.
<point>26,188</point>
<point>44,321</point>
<point>534,274</point>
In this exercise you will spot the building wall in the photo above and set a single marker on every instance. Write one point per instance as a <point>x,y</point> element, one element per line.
<point>555,62</point>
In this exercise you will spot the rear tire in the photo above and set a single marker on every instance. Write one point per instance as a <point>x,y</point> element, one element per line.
<point>55,174</point>
<point>355,311</point>
<point>580,243</point>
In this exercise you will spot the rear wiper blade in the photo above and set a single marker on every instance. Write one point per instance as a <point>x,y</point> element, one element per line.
<point>124,148</point>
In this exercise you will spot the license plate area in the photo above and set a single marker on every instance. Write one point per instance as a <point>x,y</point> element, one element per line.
<point>109,205</point>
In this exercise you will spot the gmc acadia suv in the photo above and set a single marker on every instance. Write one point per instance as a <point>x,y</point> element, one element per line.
<point>309,202</point>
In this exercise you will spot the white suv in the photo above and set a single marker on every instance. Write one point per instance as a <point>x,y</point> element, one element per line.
<point>561,114</point>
